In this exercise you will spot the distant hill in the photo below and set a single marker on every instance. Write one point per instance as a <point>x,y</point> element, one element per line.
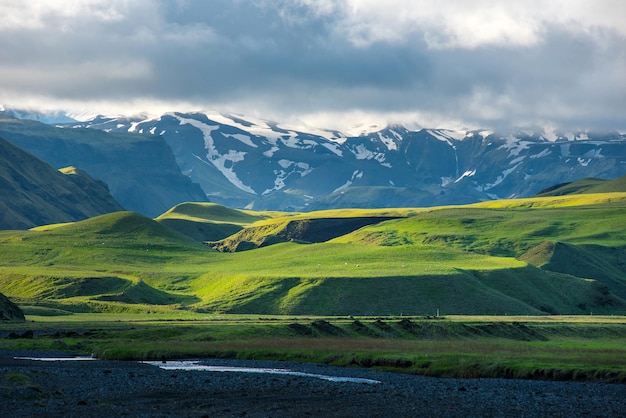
<point>32,193</point>
<point>588,185</point>
<point>140,170</point>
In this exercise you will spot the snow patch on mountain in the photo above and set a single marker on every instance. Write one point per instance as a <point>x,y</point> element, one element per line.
<point>543,153</point>
<point>297,143</point>
<point>440,137</point>
<point>361,152</point>
<point>498,180</point>
<point>514,145</point>
<point>245,139</point>
<point>390,143</point>
<point>253,126</point>
<point>445,181</point>
<point>224,163</point>
<point>517,160</point>
<point>468,173</point>
<point>357,174</point>
<point>270,152</point>
<point>288,168</point>
<point>334,148</point>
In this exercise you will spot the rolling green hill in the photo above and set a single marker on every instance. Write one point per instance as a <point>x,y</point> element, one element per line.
<point>499,257</point>
<point>588,185</point>
<point>207,221</point>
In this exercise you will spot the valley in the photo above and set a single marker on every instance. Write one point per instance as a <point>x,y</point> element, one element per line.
<point>494,258</point>
<point>532,287</point>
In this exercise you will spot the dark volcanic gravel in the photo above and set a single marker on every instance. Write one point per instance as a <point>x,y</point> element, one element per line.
<point>114,388</point>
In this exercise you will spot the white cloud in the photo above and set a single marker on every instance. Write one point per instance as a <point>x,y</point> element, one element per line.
<point>38,14</point>
<point>471,23</point>
<point>328,63</point>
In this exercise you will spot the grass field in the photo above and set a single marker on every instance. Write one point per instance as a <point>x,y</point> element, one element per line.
<point>493,258</point>
<point>560,348</point>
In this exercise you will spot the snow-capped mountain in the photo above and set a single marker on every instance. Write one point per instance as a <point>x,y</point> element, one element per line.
<point>246,162</point>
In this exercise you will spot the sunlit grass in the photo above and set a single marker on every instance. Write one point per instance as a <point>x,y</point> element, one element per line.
<point>568,348</point>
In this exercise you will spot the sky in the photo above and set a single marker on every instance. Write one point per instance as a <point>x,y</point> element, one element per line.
<point>326,63</point>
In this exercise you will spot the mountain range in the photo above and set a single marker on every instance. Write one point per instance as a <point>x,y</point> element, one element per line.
<point>256,164</point>
<point>139,170</point>
<point>153,163</point>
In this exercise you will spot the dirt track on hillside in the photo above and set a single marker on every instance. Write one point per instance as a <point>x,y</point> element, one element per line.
<point>113,388</point>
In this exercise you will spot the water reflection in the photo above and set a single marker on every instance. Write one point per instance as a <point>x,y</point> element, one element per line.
<point>195,365</point>
<point>78,358</point>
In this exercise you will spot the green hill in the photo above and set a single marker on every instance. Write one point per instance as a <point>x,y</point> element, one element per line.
<point>588,185</point>
<point>289,229</point>
<point>207,221</point>
<point>33,193</point>
<point>507,228</point>
<point>604,264</point>
<point>554,255</point>
<point>107,258</point>
<point>140,170</point>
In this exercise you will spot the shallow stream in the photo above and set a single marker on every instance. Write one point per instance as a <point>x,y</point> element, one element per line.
<point>198,366</point>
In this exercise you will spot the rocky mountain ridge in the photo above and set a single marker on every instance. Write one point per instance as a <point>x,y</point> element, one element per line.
<point>257,164</point>
<point>139,170</point>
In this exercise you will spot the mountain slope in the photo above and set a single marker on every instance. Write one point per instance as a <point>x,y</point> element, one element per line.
<point>206,221</point>
<point>250,163</point>
<point>33,193</point>
<point>585,186</point>
<point>140,170</point>
<point>9,311</point>
<point>603,264</point>
<point>91,264</point>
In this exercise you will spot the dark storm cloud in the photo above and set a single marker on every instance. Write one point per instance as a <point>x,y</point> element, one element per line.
<point>297,58</point>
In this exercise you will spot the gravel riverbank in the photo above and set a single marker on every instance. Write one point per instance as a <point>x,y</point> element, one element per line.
<point>30,388</point>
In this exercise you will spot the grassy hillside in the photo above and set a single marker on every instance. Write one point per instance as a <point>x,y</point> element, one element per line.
<point>586,186</point>
<point>33,193</point>
<point>140,170</point>
<point>507,228</point>
<point>502,257</point>
<point>207,221</point>
<point>103,258</point>
<point>289,229</point>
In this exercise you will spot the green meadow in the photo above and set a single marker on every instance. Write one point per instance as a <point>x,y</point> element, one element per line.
<point>532,288</point>
<point>558,348</point>
<point>495,258</point>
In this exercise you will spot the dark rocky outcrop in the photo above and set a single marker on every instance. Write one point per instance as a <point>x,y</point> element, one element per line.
<point>9,311</point>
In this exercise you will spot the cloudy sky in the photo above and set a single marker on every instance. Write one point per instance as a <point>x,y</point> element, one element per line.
<point>330,63</point>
